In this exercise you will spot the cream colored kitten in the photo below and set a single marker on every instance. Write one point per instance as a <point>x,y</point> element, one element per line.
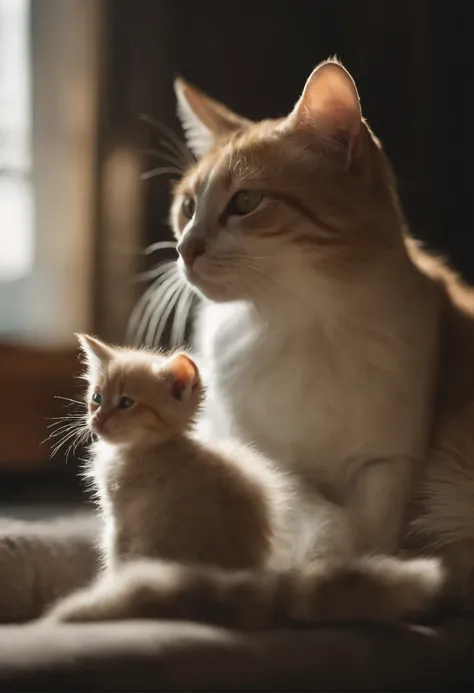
<point>163,493</point>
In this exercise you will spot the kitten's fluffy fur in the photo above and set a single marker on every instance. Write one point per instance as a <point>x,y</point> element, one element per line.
<point>164,494</point>
<point>356,346</point>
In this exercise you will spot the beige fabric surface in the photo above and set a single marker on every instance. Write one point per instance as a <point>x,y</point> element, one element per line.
<point>180,656</point>
<point>185,656</point>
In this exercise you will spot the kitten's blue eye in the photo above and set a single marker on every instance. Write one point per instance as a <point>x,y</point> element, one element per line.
<point>97,398</point>
<point>126,403</point>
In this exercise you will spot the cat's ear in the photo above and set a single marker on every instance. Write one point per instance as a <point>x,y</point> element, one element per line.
<point>94,350</point>
<point>203,119</point>
<point>183,376</point>
<point>329,104</point>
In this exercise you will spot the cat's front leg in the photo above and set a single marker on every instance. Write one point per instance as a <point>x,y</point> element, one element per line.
<point>326,532</point>
<point>377,503</point>
<point>99,602</point>
<point>139,589</point>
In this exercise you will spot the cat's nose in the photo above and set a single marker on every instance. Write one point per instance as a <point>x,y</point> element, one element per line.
<point>101,417</point>
<point>191,249</point>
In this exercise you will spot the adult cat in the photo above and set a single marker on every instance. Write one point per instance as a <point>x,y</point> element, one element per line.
<point>292,232</point>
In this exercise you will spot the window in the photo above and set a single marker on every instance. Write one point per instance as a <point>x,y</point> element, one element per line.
<point>49,85</point>
<point>48,119</point>
<point>16,204</point>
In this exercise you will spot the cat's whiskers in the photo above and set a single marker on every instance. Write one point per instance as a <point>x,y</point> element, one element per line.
<point>173,139</point>
<point>178,330</point>
<point>75,433</point>
<point>169,158</point>
<point>158,326</point>
<point>160,171</point>
<point>160,245</point>
<point>157,305</point>
<point>171,148</point>
<point>67,417</point>
<point>137,320</point>
<point>155,272</point>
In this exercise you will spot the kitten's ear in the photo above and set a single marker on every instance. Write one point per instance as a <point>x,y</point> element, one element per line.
<point>94,349</point>
<point>329,103</point>
<point>183,376</point>
<point>203,119</point>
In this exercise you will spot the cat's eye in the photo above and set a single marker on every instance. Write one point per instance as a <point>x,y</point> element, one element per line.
<point>244,202</point>
<point>126,403</point>
<point>188,207</point>
<point>97,398</point>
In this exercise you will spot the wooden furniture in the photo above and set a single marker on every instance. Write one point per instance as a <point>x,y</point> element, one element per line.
<point>31,380</point>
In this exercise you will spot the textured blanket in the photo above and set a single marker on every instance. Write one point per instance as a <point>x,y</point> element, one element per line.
<point>39,562</point>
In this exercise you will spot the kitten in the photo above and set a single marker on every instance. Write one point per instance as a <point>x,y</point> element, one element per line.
<point>163,493</point>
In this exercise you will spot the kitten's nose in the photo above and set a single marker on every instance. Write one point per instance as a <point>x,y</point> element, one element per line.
<point>191,249</point>
<point>101,417</point>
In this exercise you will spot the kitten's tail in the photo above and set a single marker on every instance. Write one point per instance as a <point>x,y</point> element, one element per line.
<point>372,589</point>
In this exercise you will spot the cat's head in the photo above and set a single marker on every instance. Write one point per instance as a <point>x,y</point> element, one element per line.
<point>138,395</point>
<point>269,204</point>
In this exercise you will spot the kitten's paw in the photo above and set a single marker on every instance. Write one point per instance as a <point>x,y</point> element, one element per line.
<point>142,589</point>
<point>80,607</point>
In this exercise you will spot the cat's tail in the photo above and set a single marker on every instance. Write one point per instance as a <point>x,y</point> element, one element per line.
<point>372,589</point>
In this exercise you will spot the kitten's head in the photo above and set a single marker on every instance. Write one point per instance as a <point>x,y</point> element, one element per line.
<point>270,203</point>
<point>139,395</point>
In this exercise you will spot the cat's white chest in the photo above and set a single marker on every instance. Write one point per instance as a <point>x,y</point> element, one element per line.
<point>272,391</point>
<point>303,402</point>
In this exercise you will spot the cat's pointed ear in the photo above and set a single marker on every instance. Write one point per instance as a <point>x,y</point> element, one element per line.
<point>94,349</point>
<point>329,103</point>
<point>203,119</point>
<point>183,376</point>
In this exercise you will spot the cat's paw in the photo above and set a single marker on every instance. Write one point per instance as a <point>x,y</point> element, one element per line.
<point>142,589</point>
<point>71,611</point>
<point>84,606</point>
<point>378,589</point>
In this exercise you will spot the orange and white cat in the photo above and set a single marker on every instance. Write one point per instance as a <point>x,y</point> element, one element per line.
<point>162,493</point>
<point>291,231</point>
<point>330,340</point>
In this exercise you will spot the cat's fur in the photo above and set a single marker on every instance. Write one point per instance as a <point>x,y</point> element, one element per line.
<point>163,493</point>
<point>368,341</point>
<point>312,304</point>
<point>372,589</point>
<point>331,341</point>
